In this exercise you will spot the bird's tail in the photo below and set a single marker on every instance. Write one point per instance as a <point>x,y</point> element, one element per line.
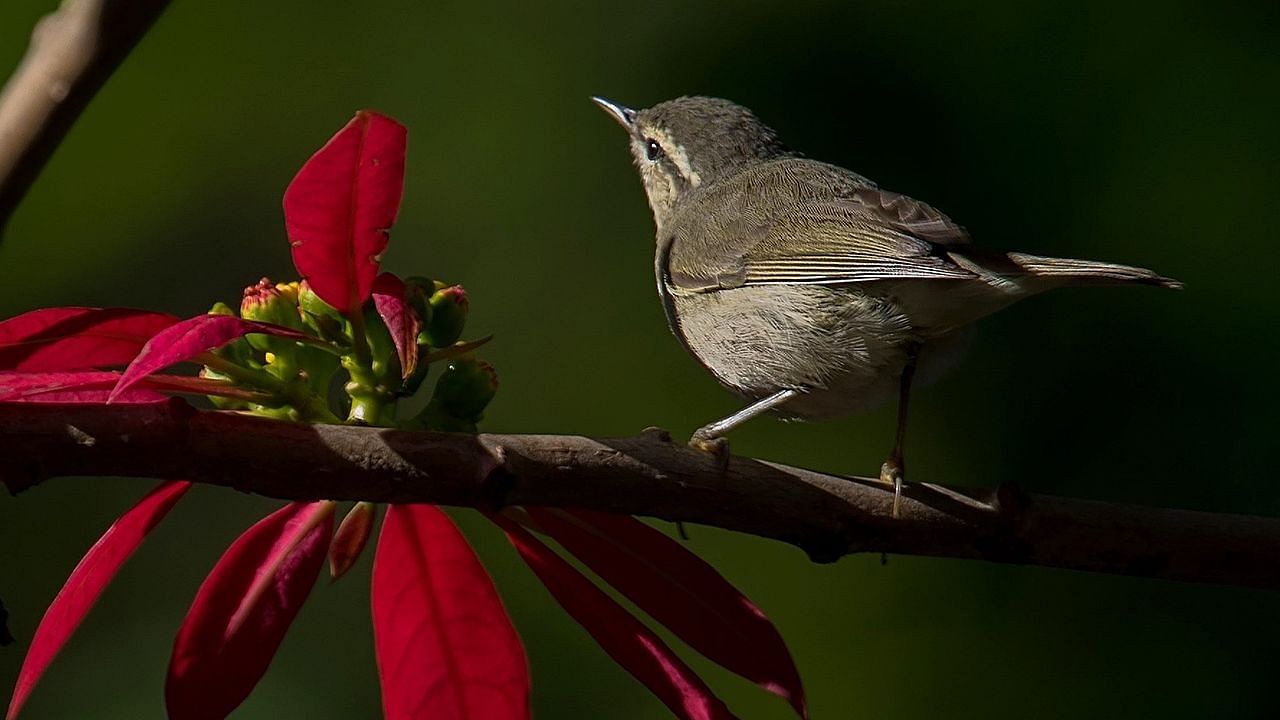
<point>1088,272</point>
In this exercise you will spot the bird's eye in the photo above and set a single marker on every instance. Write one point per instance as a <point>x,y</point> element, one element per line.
<point>652,149</point>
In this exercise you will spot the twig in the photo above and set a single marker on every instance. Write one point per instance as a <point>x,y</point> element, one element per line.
<point>828,516</point>
<point>73,51</point>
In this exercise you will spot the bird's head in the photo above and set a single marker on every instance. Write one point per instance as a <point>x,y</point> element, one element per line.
<point>689,142</point>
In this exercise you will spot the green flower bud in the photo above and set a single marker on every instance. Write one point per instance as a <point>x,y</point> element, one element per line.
<point>465,388</point>
<point>238,350</point>
<point>323,318</point>
<point>435,418</point>
<point>448,316</point>
<point>271,303</point>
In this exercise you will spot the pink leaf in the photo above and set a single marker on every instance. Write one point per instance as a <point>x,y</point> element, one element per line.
<point>189,338</point>
<point>681,591</point>
<point>350,540</point>
<point>626,640</point>
<point>75,338</point>
<point>402,322</point>
<point>446,648</point>
<point>243,609</point>
<point>340,207</point>
<point>87,582</point>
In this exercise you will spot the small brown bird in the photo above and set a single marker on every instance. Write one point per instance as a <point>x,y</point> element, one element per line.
<point>805,287</point>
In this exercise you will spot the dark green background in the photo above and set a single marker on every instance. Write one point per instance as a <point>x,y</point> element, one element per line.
<point>1093,129</point>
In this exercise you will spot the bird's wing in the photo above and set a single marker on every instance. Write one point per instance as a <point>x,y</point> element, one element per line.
<point>799,221</point>
<point>871,237</point>
<point>909,215</point>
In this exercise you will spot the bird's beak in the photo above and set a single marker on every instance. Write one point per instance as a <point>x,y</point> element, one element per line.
<point>625,116</point>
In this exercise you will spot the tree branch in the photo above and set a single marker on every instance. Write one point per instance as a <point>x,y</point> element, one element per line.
<point>73,51</point>
<point>826,515</point>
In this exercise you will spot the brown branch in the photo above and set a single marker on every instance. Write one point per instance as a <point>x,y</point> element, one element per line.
<point>73,51</point>
<point>826,515</point>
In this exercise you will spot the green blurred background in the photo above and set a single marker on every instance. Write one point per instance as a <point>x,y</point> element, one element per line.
<point>1104,130</point>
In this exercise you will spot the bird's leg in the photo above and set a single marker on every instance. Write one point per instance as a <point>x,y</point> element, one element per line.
<point>710,437</point>
<point>894,468</point>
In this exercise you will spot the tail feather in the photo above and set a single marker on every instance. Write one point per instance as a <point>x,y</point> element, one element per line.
<point>1089,270</point>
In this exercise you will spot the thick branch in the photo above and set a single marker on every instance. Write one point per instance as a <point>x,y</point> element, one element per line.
<point>73,51</point>
<point>826,515</point>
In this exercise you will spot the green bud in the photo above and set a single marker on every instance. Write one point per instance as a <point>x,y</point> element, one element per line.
<point>463,391</point>
<point>435,418</point>
<point>271,303</point>
<point>448,316</point>
<point>465,388</point>
<point>238,350</point>
<point>328,323</point>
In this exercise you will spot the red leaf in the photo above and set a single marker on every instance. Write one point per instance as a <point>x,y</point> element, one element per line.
<point>188,339</point>
<point>351,538</point>
<point>87,582</point>
<point>402,322</point>
<point>681,591</point>
<point>93,387</point>
<point>89,387</point>
<point>74,338</point>
<point>243,609</point>
<point>340,206</point>
<point>626,640</point>
<point>446,648</point>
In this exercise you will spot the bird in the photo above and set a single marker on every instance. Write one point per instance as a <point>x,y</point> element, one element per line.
<point>806,288</point>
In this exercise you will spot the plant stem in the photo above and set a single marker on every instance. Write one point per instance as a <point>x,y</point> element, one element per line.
<point>259,379</point>
<point>359,341</point>
<point>368,399</point>
<point>293,392</point>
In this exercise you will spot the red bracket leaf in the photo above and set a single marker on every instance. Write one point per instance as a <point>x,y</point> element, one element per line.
<point>93,387</point>
<point>401,321</point>
<point>87,582</point>
<point>76,338</point>
<point>341,205</point>
<point>243,610</point>
<point>350,539</point>
<point>445,646</point>
<point>681,591</point>
<point>632,645</point>
<point>189,338</point>
<point>87,387</point>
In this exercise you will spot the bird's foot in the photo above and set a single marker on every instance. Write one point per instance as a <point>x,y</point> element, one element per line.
<point>892,473</point>
<point>717,446</point>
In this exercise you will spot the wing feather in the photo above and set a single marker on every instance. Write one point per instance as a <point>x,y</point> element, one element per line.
<point>800,222</point>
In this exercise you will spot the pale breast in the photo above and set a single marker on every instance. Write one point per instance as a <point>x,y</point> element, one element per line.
<point>845,346</point>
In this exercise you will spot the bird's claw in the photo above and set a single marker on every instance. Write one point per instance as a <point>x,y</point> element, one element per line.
<point>891,473</point>
<point>718,447</point>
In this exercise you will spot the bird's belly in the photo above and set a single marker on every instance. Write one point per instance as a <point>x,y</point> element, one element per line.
<point>846,348</point>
